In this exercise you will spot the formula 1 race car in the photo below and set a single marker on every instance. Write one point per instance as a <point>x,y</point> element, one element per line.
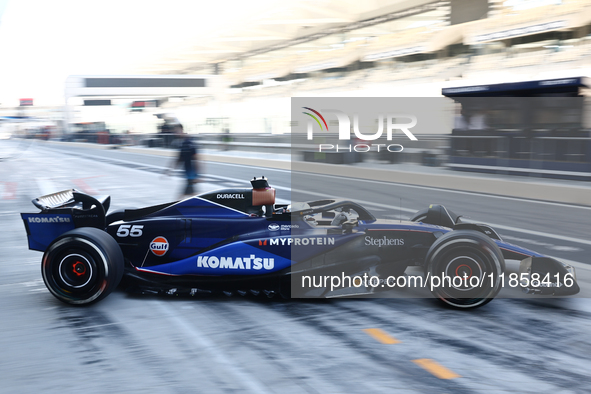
<point>239,241</point>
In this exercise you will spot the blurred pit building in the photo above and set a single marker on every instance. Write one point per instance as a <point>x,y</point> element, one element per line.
<point>480,54</point>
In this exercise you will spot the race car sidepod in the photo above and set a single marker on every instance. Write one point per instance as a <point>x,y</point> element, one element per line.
<point>547,276</point>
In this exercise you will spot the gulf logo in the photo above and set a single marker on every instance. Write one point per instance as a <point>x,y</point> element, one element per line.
<point>159,246</point>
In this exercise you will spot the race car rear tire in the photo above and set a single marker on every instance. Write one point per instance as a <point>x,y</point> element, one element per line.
<point>463,268</point>
<point>82,266</point>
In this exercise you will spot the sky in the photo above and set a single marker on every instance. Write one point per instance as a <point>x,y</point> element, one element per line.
<point>42,42</point>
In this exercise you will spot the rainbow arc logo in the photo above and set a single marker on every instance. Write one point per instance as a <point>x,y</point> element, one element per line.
<point>315,118</point>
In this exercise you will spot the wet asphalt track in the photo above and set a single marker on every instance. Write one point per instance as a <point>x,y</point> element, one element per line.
<point>130,343</point>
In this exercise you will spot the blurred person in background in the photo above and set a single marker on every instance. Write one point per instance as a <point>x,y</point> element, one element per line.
<point>187,157</point>
<point>226,139</point>
<point>168,130</point>
<point>471,119</point>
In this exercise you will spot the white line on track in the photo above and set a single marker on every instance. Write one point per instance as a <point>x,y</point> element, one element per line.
<point>206,345</point>
<point>494,225</point>
<point>257,167</point>
<point>403,209</point>
<point>538,233</point>
<point>390,207</point>
<point>364,180</point>
<point>577,264</point>
<point>431,188</point>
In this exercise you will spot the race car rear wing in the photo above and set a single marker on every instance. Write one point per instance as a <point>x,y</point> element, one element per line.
<point>68,198</point>
<point>61,212</point>
<point>55,200</point>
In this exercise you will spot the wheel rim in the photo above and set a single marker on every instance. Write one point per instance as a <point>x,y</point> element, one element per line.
<point>75,271</point>
<point>465,272</point>
<point>466,262</point>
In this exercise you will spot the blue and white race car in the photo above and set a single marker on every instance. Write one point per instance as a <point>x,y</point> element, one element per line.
<point>239,241</point>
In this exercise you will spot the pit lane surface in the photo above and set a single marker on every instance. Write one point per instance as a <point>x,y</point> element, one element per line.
<point>152,344</point>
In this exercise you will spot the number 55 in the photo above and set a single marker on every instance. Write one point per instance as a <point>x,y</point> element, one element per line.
<point>135,231</point>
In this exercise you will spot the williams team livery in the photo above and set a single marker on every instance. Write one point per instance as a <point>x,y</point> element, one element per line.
<point>239,241</point>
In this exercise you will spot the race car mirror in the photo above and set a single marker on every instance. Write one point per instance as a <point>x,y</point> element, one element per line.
<point>259,183</point>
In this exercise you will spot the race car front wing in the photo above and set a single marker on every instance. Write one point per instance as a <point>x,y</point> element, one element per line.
<point>547,276</point>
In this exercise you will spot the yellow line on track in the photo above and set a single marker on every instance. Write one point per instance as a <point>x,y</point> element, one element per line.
<point>381,336</point>
<point>435,368</point>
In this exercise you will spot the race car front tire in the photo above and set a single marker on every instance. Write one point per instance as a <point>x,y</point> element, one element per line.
<point>82,266</point>
<point>463,268</point>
